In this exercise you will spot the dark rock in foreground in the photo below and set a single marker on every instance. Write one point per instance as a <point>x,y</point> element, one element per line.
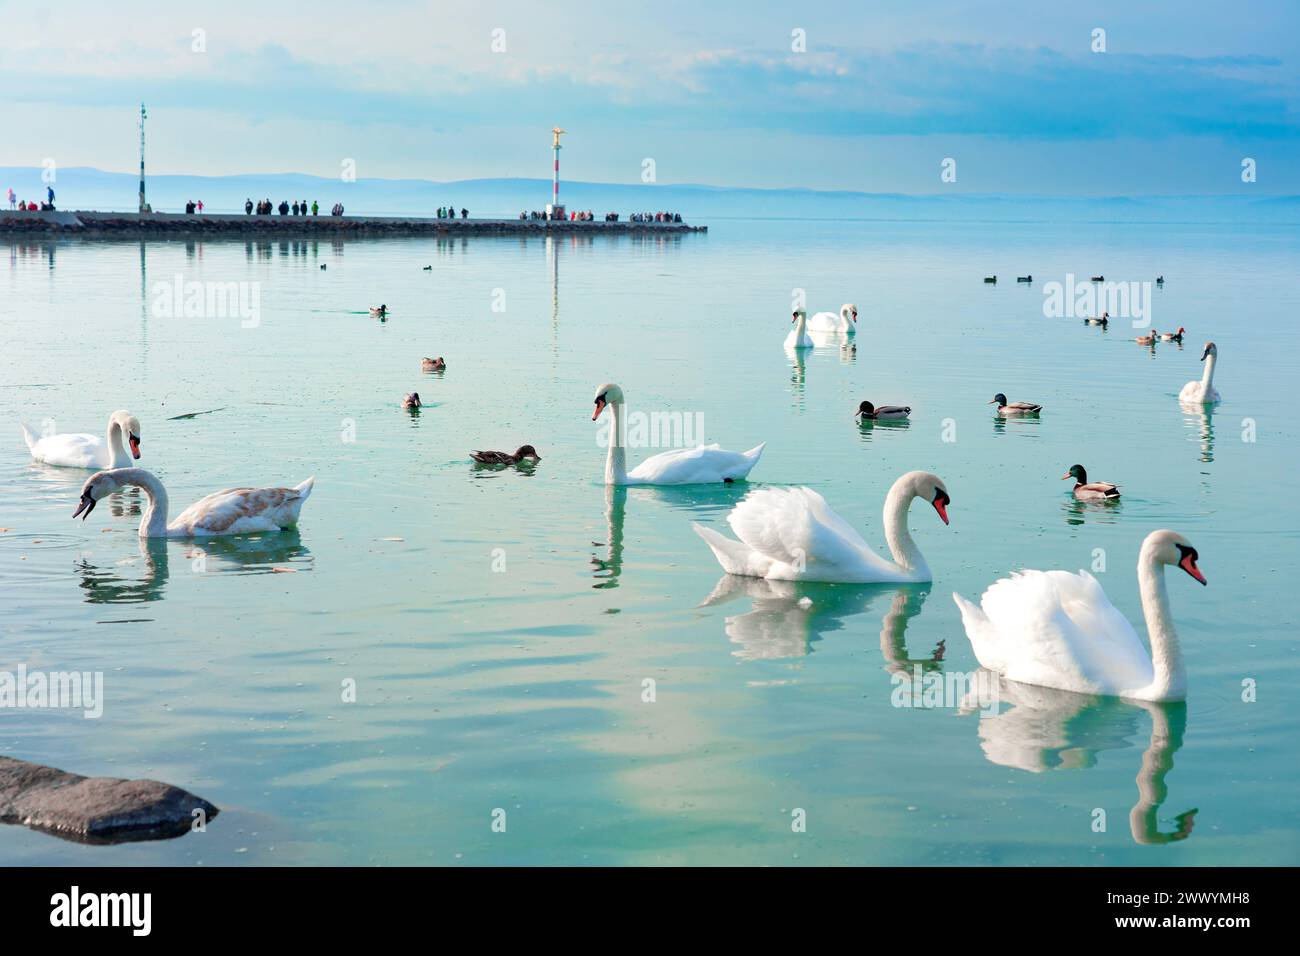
<point>95,809</point>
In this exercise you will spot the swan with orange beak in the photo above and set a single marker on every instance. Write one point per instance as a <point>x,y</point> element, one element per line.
<point>702,465</point>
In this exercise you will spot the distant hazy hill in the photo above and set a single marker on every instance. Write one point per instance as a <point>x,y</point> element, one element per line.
<point>87,188</point>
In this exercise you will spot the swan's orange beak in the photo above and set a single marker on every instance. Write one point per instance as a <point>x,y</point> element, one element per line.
<point>1188,564</point>
<point>941,506</point>
<point>135,446</point>
<point>600,407</point>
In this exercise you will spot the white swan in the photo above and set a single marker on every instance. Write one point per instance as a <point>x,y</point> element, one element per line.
<point>704,464</point>
<point>233,511</point>
<point>846,321</point>
<point>90,451</point>
<point>791,534</point>
<point>1058,629</point>
<point>1203,392</point>
<point>799,337</point>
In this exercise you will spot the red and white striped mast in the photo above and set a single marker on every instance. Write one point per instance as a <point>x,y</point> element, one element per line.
<point>555,176</point>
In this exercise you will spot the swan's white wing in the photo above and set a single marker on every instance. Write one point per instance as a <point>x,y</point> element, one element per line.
<point>74,450</point>
<point>242,511</point>
<point>796,527</point>
<point>826,322</point>
<point>1056,629</point>
<point>704,464</point>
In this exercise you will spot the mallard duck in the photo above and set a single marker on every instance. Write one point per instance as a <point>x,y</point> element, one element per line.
<point>428,268</point>
<point>412,400</point>
<point>992,280</point>
<point>1024,278</point>
<point>433,364</point>
<point>1173,336</point>
<point>504,457</point>
<point>869,412</point>
<point>1103,321</point>
<point>379,310</point>
<point>1098,279</point>
<point>1086,490</point>
<point>1160,280</point>
<point>1148,339</point>
<point>1014,408</point>
<point>322,267</point>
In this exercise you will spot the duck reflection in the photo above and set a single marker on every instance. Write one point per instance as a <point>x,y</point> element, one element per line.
<point>1017,422</point>
<point>608,568</point>
<point>1100,510</point>
<point>867,427</point>
<point>1047,729</point>
<point>1200,419</point>
<point>787,618</point>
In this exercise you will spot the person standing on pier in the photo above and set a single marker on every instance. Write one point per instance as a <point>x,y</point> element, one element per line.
<point>12,197</point>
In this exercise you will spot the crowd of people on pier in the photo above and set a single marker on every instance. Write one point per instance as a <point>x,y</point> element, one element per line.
<point>449,212</point>
<point>26,205</point>
<point>589,216</point>
<point>655,217</point>
<point>296,208</point>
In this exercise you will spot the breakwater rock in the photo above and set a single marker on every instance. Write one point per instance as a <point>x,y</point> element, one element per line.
<point>95,809</point>
<point>180,226</point>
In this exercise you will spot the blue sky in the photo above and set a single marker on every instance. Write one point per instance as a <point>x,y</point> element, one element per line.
<point>713,93</point>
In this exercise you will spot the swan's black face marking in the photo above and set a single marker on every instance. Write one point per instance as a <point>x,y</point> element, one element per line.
<point>86,507</point>
<point>1206,352</point>
<point>1187,561</point>
<point>941,503</point>
<point>600,406</point>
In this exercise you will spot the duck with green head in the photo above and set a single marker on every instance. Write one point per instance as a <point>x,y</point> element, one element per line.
<point>1086,490</point>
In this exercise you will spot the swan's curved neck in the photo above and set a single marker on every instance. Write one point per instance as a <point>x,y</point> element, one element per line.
<point>154,522</point>
<point>901,546</point>
<point>1169,674</point>
<point>1207,379</point>
<point>115,441</point>
<point>800,325</point>
<point>616,461</point>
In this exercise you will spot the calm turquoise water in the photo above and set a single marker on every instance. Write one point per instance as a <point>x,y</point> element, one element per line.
<point>500,625</point>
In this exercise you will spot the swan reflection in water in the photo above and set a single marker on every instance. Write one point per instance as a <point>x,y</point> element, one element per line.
<point>798,374</point>
<point>1047,729</point>
<point>610,566</point>
<point>786,617</point>
<point>116,582</point>
<point>1200,420</point>
<point>700,501</point>
<point>845,343</point>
